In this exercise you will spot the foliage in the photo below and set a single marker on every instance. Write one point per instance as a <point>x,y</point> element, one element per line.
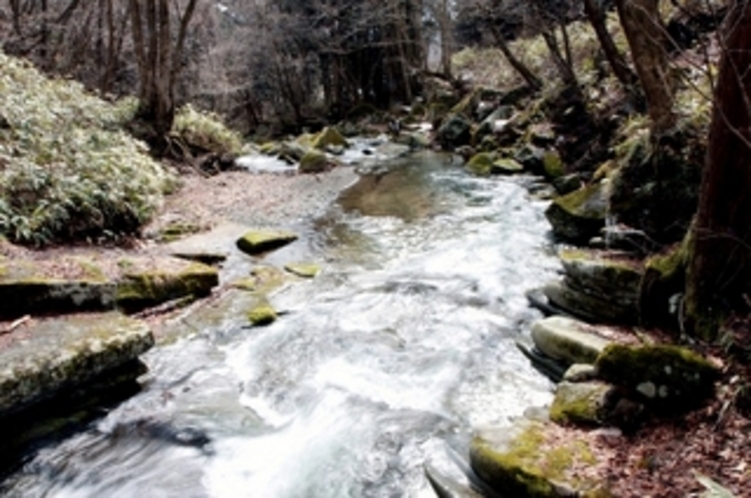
<point>67,169</point>
<point>206,131</point>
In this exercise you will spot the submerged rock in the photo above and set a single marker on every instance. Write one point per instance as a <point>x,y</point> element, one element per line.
<point>568,340</point>
<point>63,353</point>
<point>260,241</point>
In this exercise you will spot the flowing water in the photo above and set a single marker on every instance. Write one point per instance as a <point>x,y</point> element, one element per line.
<point>402,345</point>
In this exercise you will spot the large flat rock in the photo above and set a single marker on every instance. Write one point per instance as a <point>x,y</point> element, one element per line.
<point>51,356</point>
<point>568,340</point>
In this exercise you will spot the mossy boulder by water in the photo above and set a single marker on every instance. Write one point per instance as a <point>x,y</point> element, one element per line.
<point>329,137</point>
<point>506,166</point>
<point>553,165</point>
<point>667,376</point>
<point>527,460</point>
<point>313,162</point>
<point>138,290</point>
<point>567,340</point>
<point>66,352</point>
<point>599,287</point>
<point>580,215</point>
<point>580,403</point>
<point>262,314</point>
<point>260,241</point>
<point>481,164</point>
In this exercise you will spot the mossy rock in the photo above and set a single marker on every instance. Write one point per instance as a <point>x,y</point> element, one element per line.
<point>568,340</point>
<point>67,352</point>
<point>262,314</point>
<point>527,460</point>
<point>303,270</point>
<point>481,164</point>
<point>614,279</point>
<point>553,165</point>
<point>33,287</point>
<point>580,215</point>
<point>664,280</point>
<point>580,403</point>
<point>313,162</point>
<point>506,166</point>
<point>668,377</point>
<point>260,241</point>
<point>329,137</point>
<point>589,306</point>
<point>139,290</point>
<point>270,148</point>
<point>262,280</point>
<point>567,183</point>
<point>292,152</point>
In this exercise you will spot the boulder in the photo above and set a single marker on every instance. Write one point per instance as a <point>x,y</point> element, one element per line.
<point>530,459</point>
<point>454,132</point>
<point>531,157</point>
<point>481,164</point>
<point>262,314</point>
<point>667,377</point>
<point>313,161</point>
<point>567,183</point>
<point>567,340</point>
<point>329,137</point>
<point>597,288</point>
<point>580,403</point>
<point>145,287</point>
<point>553,165</point>
<point>65,353</point>
<point>580,372</point>
<point>580,215</point>
<point>541,134</point>
<point>506,166</point>
<point>260,241</point>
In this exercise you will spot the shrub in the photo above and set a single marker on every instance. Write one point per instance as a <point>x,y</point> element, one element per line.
<point>206,131</point>
<point>67,168</point>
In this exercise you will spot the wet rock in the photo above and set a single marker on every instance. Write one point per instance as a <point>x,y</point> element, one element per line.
<point>141,289</point>
<point>304,270</point>
<point>567,183</point>
<point>329,137</point>
<point>260,241</point>
<point>541,134</point>
<point>553,165</point>
<point>580,215</point>
<point>262,314</point>
<point>567,340</point>
<point>580,372</point>
<point>480,164</point>
<point>506,166</point>
<point>531,158</point>
<point>313,161</point>
<point>581,403</point>
<point>67,352</point>
<point>667,377</point>
<point>526,460</point>
<point>454,132</point>
<point>597,288</point>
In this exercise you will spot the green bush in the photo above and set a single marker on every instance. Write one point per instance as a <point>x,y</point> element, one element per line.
<point>206,131</point>
<point>67,168</point>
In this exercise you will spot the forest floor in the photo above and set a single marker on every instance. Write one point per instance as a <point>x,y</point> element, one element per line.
<point>661,459</point>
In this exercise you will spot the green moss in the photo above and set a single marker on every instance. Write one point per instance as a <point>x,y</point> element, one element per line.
<point>481,164</point>
<point>528,465</point>
<point>259,241</point>
<point>177,230</point>
<point>506,165</point>
<point>262,314</point>
<point>140,290</point>
<point>580,202</point>
<point>313,162</point>
<point>329,137</point>
<point>578,403</point>
<point>553,164</point>
<point>678,375</point>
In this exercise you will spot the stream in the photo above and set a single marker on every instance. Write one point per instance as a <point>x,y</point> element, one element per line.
<point>398,349</point>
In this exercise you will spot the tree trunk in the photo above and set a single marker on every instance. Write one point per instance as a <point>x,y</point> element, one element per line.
<point>618,64</point>
<point>719,270</point>
<point>526,73</point>
<point>646,34</point>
